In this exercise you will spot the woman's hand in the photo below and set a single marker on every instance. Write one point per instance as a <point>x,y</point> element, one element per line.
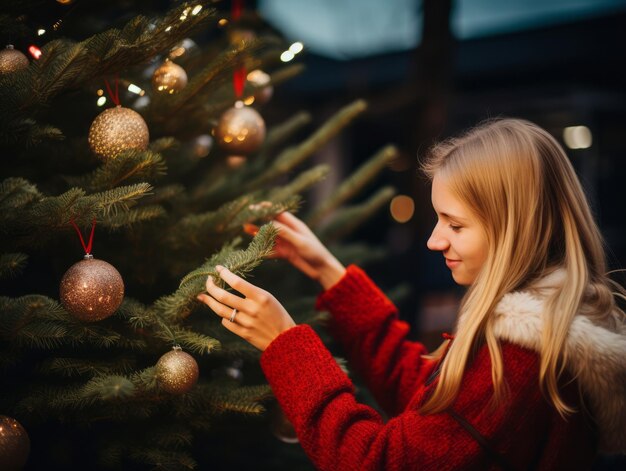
<point>257,317</point>
<point>301,247</point>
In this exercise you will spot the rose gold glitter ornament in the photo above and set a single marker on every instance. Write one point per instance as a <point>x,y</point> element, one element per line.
<point>240,131</point>
<point>91,290</point>
<point>169,78</point>
<point>14,444</point>
<point>177,371</point>
<point>12,60</point>
<point>116,130</point>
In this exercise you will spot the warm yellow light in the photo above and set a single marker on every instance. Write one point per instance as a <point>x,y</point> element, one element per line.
<point>402,208</point>
<point>296,47</point>
<point>168,28</point>
<point>222,22</point>
<point>196,10</point>
<point>101,101</point>
<point>577,137</point>
<point>248,101</point>
<point>100,92</point>
<point>134,89</point>
<point>41,31</point>
<point>286,56</point>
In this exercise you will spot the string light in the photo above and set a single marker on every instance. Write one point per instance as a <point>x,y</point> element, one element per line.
<point>34,51</point>
<point>402,208</point>
<point>41,32</point>
<point>287,56</point>
<point>577,137</point>
<point>196,10</point>
<point>101,101</point>
<point>296,47</point>
<point>135,89</point>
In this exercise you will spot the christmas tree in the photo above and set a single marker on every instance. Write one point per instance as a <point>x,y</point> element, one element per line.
<point>137,136</point>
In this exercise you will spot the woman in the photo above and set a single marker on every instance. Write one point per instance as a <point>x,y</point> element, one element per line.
<point>535,375</point>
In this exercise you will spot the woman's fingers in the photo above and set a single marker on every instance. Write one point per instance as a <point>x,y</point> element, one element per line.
<point>225,312</point>
<point>236,282</point>
<point>223,296</point>
<point>291,221</point>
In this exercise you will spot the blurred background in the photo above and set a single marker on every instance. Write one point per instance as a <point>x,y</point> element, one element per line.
<point>430,69</point>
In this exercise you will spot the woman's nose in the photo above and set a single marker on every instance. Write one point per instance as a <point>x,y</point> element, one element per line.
<point>436,242</point>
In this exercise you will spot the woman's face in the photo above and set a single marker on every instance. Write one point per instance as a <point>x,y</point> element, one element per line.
<point>458,235</point>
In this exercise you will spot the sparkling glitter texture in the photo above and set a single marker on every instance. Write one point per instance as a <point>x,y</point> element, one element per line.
<point>14,444</point>
<point>12,60</point>
<point>91,290</point>
<point>116,130</point>
<point>177,371</point>
<point>240,131</point>
<point>169,78</point>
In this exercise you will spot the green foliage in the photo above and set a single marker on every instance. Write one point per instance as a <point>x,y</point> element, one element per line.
<point>160,212</point>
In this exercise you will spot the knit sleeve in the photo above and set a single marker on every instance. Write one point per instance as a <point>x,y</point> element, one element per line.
<point>339,434</point>
<point>366,324</point>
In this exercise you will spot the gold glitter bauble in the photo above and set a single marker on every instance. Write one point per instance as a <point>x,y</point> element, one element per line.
<point>177,371</point>
<point>91,290</point>
<point>169,78</point>
<point>12,60</point>
<point>263,91</point>
<point>240,130</point>
<point>116,130</point>
<point>14,444</point>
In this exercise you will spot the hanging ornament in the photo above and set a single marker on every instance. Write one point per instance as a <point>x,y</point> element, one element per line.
<point>116,130</point>
<point>177,371</point>
<point>263,91</point>
<point>169,78</point>
<point>14,444</point>
<point>91,290</point>
<point>281,427</point>
<point>12,60</point>
<point>240,130</point>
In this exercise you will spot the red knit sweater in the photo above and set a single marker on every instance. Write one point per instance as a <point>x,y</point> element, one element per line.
<point>338,433</point>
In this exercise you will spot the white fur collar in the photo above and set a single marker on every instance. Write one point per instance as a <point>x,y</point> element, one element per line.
<point>596,356</point>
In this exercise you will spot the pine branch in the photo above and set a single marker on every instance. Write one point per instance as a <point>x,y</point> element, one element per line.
<point>133,216</point>
<point>348,219</point>
<point>71,367</point>
<point>121,198</point>
<point>193,341</point>
<point>15,193</point>
<point>300,184</point>
<point>352,185</point>
<point>130,165</point>
<point>239,262</point>
<point>12,264</point>
<point>294,156</point>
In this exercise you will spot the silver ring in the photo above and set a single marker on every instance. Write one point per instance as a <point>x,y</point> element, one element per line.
<point>233,314</point>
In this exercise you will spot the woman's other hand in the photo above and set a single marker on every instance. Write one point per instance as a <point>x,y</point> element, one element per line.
<point>258,317</point>
<point>301,247</point>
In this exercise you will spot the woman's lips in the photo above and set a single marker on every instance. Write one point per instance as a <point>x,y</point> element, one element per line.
<point>452,263</point>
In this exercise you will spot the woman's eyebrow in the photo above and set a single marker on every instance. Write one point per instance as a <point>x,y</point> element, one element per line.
<point>452,216</point>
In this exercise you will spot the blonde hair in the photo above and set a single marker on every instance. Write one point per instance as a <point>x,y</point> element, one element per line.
<point>520,184</point>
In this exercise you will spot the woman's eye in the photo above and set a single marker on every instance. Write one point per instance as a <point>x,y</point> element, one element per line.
<point>455,228</point>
